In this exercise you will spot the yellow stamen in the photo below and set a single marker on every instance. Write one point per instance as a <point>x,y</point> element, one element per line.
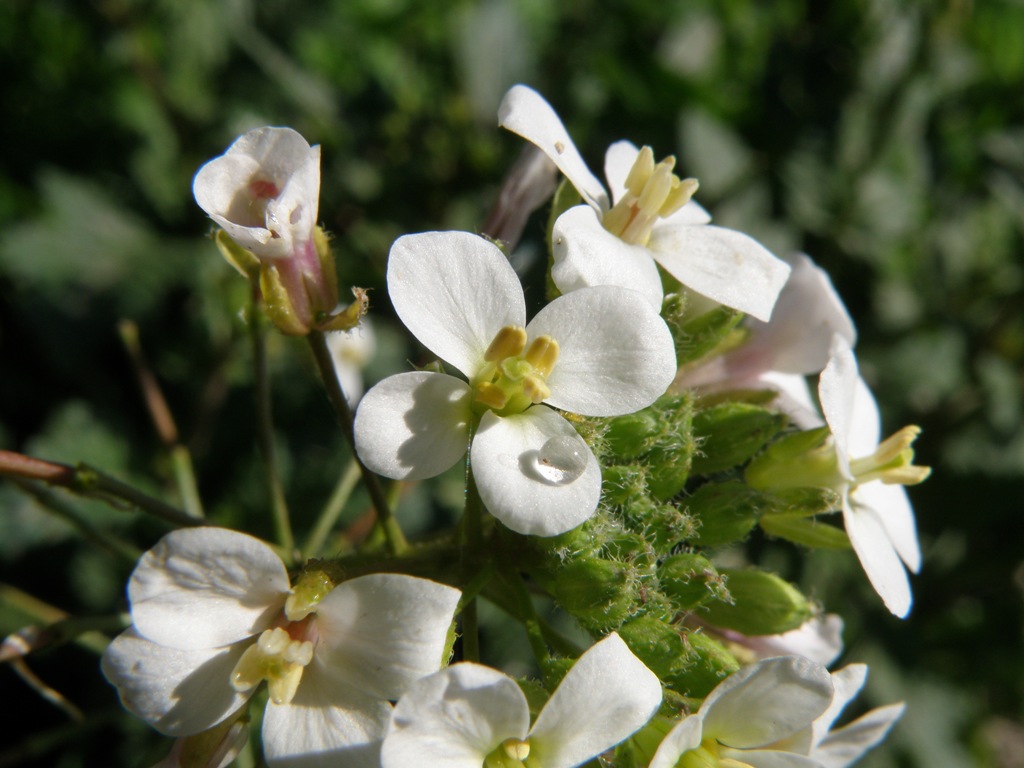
<point>652,192</point>
<point>508,342</point>
<point>277,658</point>
<point>892,462</point>
<point>516,749</point>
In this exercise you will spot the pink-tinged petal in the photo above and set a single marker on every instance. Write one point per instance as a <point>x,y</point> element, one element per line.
<point>877,556</point>
<point>793,399</point>
<point>534,472</point>
<point>525,112</point>
<point>327,724</point>
<point>605,698</point>
<point>413,425</point>
<point>894,512</point>
<point>454,291</point>
<point>721,264</point>
<point>177,692</point>
<point>808,313</point>
<point>819,639</point>
<point>837,391</point>
<point>585,254</point>
<point>381,632</point>
<point>455,718</point>
<point>866,422</point>
<point>686,735</point>
<point>616,355</point>
<point>206,588</point>
<point>848,744</point>
<point>766,702</point>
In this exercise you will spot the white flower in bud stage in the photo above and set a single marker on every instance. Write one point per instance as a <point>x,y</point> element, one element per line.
<point>598,352</point>
<point>748,720</point>
<point>778,354</point>
<point>213,616</point>
<point>350,352</point>
<point>471,716</point>
<point>819,639</point>
<point>264,191</point>
<point>649,219</point>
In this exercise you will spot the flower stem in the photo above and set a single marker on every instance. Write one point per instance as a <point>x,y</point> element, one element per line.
<point>265,425</point>
<point>471,542</point>
<point>322,354</point>
<point>531,622</point>
<point>329,516</point>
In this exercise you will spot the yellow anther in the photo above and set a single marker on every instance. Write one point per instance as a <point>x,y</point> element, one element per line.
<point>680,195</point>
<point>517,749</point>
<point>508,342</point>
<point>491,395</point>
<point>542,354</point>
<point>641,171</point>
<point>536,389</point>
<point>277,658</point>
<point>310,589</point>
<point>892,462</point>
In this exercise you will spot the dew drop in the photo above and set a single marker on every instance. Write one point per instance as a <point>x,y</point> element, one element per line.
<point>561,460</point>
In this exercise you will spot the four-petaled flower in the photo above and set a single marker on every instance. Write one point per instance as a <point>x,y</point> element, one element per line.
<point>597,352</point>
<point>649,219</point>
<point>213,616</point>
<point>469,716</point>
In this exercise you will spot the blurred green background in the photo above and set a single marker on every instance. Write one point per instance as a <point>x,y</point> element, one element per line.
<point>884,138</point>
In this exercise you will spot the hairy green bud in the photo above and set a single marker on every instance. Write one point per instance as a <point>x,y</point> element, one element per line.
<point>762,604</point>
<point>731,433</point>
<point>689,580</point>
<point>725,513</point>
<point>601,594</point>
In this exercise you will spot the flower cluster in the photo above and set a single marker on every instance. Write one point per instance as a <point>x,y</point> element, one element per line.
<point>653,411</point>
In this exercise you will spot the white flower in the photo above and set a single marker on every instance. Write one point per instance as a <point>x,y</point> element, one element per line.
<point>650,216</point>
<point>598,352</point>
<point>749,717</point>
<point>845,746</point>
<point>468,716</point>
<point>777,354</point>
<point>819,639</point>
<point>876,511</point>
<point>264,191</point>
<point>213,616</point>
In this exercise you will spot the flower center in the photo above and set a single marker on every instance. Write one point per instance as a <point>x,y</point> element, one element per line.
<point>706,756</point>
<point>279,656</point>
<point>652,192</point>
<point>514,376</point>
<point>892,462</point>
<point>512,753</point>
<point>249,206</point>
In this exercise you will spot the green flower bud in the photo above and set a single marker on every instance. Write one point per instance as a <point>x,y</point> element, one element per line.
<point>696,337</point>
<point>663,525</point>
<point>632,435</point>
<point>623,483</point>
<point>657,644</point>
<point>599,593</point>
<point>805,531</point>
<point>689,580</point>
<point>730,433</point>
<point>725,513</point>
<point>762,604</point>
<point>704,665</point>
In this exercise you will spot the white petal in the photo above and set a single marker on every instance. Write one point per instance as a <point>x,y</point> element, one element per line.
<point>586,254</point>
<point>455,718</point>
<point>877,556</point>
<point>793,399</point>
<point>524,111</point>
<point>413,425</point>
<point>837,392</point>
<point>722,264</point>
<point>534,472</point>
<point>618,162</point>
<point>686,735</point>
<point>847,745</point>
<point>606,697</point>
<point>327,724</point>
<point>807,314</point>
<point>766,702</point>
<point>454,291</point>
<point>616,355</point>
<point>206,588</point>
<point>177,692</point>
<point>381,632</point>
<point>846,684</point>
<point>865,422</point>
<point>691,213</point>
<point>891,504</point>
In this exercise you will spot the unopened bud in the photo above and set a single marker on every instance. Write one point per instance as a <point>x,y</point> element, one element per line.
<point>599,593</point>
<point>731,433</point>
<point>762,604</point>
<point>724,512</point>
<point>689,580</point>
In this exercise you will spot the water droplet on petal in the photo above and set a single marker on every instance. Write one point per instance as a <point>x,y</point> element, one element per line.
<point>561,460</point>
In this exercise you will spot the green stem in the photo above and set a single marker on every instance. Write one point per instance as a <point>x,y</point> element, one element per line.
<point>59,627</point>
<point>265,427</point>
<point>532,624</point>
<point>332,510</point>
<point>471,546</point>
<point>185,477</point>
<point>325,365</point>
